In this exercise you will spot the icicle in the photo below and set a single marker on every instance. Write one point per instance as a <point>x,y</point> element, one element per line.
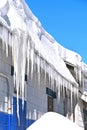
<point>3,44</point>
<point>6,40</point>
<point>59,86</point>
<point>66,84</point>
<point>48,70</point>
<point>16,76</point>
<point>74,94</point>
<point>24,48</point>
<point>30,115</point>
<point>63,86</point>
<point>19,53</point>
<point>35,70</point>
<point>48,74</point>
<point>35,114</point>
<point>51,77</point>
<point>32,59</point>
<point>28,56</point>
<point>56,81</point>
<point>55,75</point>
<point>53,84</point>
<point>41,64</point>
<point>53,80</point>
<point>42,76</point>
<point>61,81</point>
<point>18,104</point>
<point>71,97</point>
<point>45,71</point>
<point>80,76</point>
<point>10,39</point>
<point>77,93</point>
<point>38,68</point>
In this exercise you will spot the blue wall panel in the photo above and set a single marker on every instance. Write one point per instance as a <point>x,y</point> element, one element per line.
<point>10,122</point>
<point>15,125</point>
<point>3,121</point>
<point>29,122</point>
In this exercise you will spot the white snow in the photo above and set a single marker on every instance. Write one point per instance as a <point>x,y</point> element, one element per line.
<point>24,20</point>
<point>2,3</point>
<point>84,68</point>
<point>53,121</point>
<point>4,7</point>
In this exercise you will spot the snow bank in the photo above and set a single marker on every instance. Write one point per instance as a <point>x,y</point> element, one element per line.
<point>53,121</point>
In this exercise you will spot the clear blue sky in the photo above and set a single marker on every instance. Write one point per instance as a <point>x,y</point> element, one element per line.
<point>65,20</point>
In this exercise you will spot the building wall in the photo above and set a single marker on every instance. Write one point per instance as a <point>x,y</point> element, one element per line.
<point>36,102</point>
<point>36,98</point>
<point>79,116</point>
<point>5,88</point>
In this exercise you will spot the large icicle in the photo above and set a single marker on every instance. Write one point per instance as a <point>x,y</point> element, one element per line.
<point>19,53</point>
<point>32,59</point>
<point>6,39</point>
<point>3,41</point>
<point>38,68</point>
<point>23,61</point>
<point>15,53</point>
<point>28,56</point>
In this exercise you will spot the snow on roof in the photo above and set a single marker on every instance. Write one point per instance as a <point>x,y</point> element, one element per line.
<point>72,57</point>
<point>19,16</point>
<point>68,55</point>
<point>84,68</point>
<point>55,121</point>
<point>55,60</point>
<point>2,3</point>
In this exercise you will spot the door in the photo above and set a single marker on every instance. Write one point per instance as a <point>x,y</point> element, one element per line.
<point>50,103</point>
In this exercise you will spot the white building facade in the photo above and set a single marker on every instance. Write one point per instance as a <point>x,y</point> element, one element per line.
<point>37,74</point>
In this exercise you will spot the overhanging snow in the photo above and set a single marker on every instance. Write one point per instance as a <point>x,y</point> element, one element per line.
<point>21,18</point>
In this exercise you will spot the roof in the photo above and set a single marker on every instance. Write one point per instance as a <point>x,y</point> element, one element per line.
<point>21,17</point>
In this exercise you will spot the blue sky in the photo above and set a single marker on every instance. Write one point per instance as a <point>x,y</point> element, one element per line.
<point>65,20</point>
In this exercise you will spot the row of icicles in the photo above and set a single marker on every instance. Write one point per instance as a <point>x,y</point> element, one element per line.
<point>24,54</point>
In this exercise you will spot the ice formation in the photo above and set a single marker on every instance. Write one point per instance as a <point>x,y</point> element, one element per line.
<point>52,120</point>
<point>24,33</point>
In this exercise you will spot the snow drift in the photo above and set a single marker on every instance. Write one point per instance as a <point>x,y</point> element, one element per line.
<point>53,121</point>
